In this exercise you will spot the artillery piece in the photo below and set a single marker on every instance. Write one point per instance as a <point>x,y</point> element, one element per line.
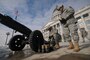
<point>18,42</point>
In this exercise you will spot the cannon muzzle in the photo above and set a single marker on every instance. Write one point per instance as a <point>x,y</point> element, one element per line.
<point>11,23</point>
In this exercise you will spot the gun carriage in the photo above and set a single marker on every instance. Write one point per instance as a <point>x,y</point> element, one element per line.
<point>18,42</point>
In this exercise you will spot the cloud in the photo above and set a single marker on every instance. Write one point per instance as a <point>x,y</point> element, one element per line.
<point>11,5</point>
<point>77,4</point>
<point>36,12</point>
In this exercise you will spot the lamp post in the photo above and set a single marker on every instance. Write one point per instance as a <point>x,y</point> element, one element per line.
<point>7,37</point>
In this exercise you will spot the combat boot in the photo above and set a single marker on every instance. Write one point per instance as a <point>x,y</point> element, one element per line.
<point>57,46</point>
<point>76,47</point>
<point>71,46</point>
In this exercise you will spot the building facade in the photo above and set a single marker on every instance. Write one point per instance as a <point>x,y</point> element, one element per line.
<point>82,15</point>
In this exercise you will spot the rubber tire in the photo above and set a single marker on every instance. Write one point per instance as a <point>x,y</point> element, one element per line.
<point>36,42</point>
<point>12,44</point>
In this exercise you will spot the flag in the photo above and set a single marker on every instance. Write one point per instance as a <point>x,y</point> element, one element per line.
<point>16,12</point>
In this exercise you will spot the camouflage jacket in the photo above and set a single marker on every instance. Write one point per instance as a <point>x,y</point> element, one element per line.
<point>68,16</point>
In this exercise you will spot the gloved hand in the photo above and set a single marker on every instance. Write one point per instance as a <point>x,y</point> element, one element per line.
<point>63,21</point>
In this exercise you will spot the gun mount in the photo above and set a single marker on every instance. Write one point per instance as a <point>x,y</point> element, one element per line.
<point>16,43</point>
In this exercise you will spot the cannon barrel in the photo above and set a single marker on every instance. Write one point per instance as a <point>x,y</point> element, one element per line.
<point>9,22</point>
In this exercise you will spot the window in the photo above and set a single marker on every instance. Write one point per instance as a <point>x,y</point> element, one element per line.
<point>54,26</point>
<point>85,15</point>
<point>78,18</point>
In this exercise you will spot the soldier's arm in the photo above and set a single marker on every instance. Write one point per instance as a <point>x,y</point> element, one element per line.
<point>68,12</point>
<point>63,21</point>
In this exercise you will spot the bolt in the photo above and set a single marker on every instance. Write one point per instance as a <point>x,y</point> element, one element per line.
<point>37,36</point>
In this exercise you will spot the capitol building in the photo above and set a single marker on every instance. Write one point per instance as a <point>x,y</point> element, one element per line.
<point>82,15</point>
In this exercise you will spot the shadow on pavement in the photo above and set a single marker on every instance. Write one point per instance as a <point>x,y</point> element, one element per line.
<point>19,55</point>
<point>85,46</point>
<point>69,57</point>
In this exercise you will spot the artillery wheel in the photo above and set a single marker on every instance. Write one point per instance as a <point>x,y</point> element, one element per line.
<point>36,40</point>
<point>17,43</point>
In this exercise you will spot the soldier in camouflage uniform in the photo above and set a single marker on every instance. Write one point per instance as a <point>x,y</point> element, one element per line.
<point>70,28</point>
<point>57,38</point>
<point>48,44</point>
<point>83,33</point>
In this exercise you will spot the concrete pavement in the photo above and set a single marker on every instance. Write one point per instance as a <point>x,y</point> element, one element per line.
<point>61,54</point>
<point>85,50</point>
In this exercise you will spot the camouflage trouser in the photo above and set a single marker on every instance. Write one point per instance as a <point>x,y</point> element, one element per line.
<point>71,31</point>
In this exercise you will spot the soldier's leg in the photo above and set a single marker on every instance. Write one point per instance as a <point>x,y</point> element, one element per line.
<point>76,44</point>
<point>57,46</point>
<point>43,48</point>
<point>73,29</point>
<point>46,47</point>
<point>83,38</point>
<point>68,38</point>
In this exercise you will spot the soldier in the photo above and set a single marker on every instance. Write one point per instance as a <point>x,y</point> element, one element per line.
<point>51,38</point>
<point>70,28</point>
<point>83,33</point>
<point>57,38</point>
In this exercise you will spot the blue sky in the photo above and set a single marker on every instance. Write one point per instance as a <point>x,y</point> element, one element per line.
<point>34,13</point>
